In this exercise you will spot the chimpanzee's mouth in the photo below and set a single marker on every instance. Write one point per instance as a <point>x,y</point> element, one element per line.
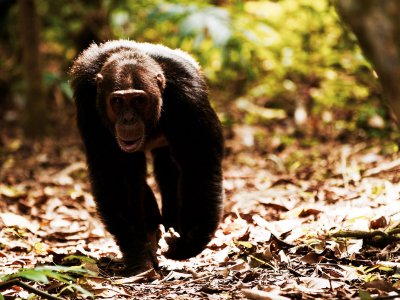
<point>130,145</point>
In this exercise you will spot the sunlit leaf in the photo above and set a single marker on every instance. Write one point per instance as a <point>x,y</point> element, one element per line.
<point>81,258</point>
<point>364,295</point>
<point>35,275</point>
<point>247,245</point>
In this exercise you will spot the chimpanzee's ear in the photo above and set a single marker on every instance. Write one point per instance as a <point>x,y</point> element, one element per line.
<point>160,81</point>
<point>99,78</point>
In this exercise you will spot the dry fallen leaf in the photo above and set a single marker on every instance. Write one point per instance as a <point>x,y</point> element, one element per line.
<point>317,284</point>
<point>377,223</point>
<point>14,220</point>
<point>254,294</point>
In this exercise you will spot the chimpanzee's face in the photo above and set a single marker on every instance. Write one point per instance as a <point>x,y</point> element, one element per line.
<point>129,93</point>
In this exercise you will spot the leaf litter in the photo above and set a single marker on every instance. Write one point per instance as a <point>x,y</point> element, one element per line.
<point>301,221</point>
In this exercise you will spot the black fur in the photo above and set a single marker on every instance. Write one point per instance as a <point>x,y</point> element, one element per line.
<point>188,169</point>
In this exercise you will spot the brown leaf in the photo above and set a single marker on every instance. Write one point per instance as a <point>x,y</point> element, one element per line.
<point>309,212</point>
<point>13,220</point>
<point>149,274</point>
<point>317,284</point>
<point>312,258</point>
<point>380,222</point>
<point>262,295</point>
<point>380,285</point>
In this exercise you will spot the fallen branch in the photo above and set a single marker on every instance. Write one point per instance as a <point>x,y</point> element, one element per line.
<point>9,283</point>
<point>375,236</point>
<point>394,231</point>
<point>359,234</point>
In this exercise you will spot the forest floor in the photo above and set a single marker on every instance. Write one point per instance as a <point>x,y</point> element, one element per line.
<point>307,216</point>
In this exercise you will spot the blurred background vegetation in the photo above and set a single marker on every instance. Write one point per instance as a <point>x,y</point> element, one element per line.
<point>267,62</point>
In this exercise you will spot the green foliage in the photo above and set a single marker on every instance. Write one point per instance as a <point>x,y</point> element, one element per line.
<point>80,258</point>
<point>63,274</point>
<point>54,80</point>
<point>274,53</point>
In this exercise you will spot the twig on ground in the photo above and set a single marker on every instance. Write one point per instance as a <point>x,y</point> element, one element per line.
<point>376,235</point>
<point>9,283</point>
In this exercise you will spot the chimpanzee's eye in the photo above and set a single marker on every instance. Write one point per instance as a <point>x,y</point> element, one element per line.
<point>140,100</point>
<point>116,101</point>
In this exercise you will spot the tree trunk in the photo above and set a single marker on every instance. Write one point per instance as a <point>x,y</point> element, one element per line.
<point>376,24</point>
<point>35,114</point>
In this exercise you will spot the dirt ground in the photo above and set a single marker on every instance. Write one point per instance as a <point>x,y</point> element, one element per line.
<point>308,218</point>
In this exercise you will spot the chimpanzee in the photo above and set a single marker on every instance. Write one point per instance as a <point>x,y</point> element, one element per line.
<point>136,97</point>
